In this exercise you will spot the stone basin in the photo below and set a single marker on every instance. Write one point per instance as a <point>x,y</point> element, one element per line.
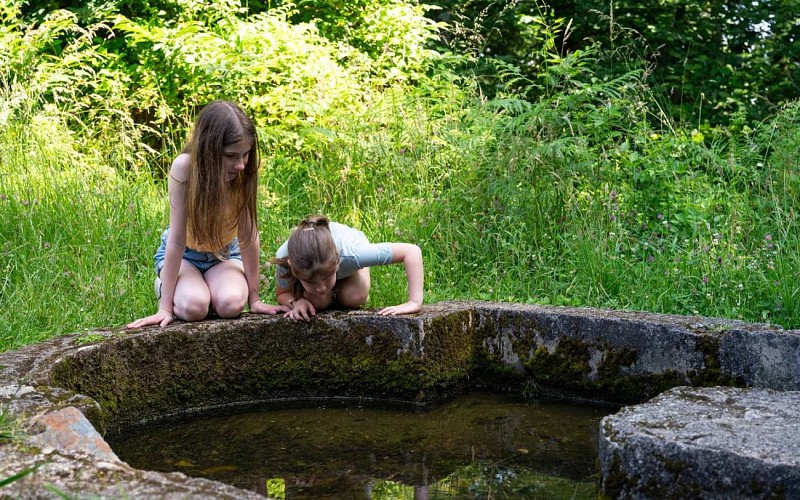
<point>65,394</point>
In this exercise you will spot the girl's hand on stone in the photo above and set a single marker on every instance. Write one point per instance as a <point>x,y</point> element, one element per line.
<point>161,318</point>
<point>302,310</point>
<point>407,308</point>
<point>259,307</point>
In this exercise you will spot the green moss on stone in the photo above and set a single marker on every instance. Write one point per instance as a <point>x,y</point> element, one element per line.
<point>566,372</point>
<point>142,377</point>
<point>711,374</point>
<point>567,367</point>
<point>489,371</point>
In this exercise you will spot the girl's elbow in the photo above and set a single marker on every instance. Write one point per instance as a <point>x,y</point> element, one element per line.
<point>176,247</point>
<point>416,252</point>
<point>407,253</point>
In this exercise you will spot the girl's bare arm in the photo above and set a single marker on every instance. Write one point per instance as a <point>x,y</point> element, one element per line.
<point>176,244</point>
<point>411,257</point>
<point>251,259</point>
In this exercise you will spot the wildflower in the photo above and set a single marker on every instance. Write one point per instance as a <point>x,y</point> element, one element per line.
<point>660,216</point>
<point>706,279</point>
<point>26,202</point>
<point>650,258</point>
<point>46,244</point>
<point>768,237</point>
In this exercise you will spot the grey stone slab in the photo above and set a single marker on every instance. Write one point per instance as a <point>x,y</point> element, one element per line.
<point>704,443</point>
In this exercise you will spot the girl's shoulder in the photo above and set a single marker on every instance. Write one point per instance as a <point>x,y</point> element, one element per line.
<point>341,231</point>
<point>345,236</point>
<point>180,167</point>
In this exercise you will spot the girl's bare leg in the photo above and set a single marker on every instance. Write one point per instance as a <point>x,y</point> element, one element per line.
<point>353,291</point>
<point>319,302</point>
<point>191,294</point>
<point>227,287</point>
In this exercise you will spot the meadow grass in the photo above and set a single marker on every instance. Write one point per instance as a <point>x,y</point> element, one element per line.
<point>73,234</point>
<point>501,212</point>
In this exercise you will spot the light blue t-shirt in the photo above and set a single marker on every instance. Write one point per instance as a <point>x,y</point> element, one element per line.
<point>355,252</point>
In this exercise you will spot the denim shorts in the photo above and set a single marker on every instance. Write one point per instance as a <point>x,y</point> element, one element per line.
<point>203,261</point>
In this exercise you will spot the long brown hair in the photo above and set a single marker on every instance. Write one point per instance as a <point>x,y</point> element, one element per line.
<point>312,253</point>
<point>213,205</point>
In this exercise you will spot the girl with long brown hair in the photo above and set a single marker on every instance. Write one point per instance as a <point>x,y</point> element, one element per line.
<point>209,253</point>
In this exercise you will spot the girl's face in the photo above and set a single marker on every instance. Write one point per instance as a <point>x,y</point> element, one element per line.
<point>234,158</point>
<point>320,285</point>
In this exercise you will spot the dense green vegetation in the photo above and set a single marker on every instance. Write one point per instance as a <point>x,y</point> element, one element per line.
<point>706,60</point>
<point>561,183</point>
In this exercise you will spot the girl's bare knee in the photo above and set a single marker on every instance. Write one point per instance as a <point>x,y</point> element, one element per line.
<point>352,298</point>
<point>229,309</point>
<point>229,304</point>
<point>191,310</point>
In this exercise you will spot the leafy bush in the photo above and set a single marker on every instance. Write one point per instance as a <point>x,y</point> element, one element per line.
<point>136,84</point>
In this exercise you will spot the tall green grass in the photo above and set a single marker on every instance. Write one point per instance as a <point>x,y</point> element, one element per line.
<point>77,235</point>
<point>74,232</point>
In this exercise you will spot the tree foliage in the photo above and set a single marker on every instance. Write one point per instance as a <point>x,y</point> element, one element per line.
<point>138,71</point>
<point>708,59</point>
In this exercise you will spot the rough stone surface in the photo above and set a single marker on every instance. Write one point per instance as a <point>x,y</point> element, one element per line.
<point>68,429</point>
<point>114,379</point>
<point>75,474</point>
<point>763,358</point>
<point>704,443</point>
<point>626,356</point>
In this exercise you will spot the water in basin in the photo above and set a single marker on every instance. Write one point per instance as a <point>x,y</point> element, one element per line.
<point>478,445</point>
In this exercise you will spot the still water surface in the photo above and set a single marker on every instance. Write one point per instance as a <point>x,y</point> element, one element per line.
<point>478,445</point>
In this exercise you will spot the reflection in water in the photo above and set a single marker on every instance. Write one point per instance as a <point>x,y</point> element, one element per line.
<point>336,449</point>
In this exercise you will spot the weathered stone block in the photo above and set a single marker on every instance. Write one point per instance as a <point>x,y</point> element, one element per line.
<point>763,358</point>
<point>704,443</point>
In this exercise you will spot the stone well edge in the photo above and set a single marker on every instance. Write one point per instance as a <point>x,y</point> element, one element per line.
<point>520,339</point>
